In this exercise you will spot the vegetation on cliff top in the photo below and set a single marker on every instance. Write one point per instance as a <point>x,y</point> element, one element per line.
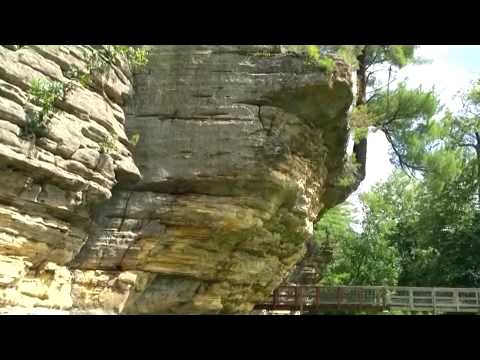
<point>46,94</point>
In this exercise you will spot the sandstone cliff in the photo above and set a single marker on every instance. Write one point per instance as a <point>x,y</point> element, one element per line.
<point>239,149</point>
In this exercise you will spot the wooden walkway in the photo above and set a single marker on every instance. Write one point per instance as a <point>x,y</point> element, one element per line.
<point>415,299</point>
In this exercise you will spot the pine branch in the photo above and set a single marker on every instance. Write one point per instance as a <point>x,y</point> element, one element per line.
<point>377,90</point>
<point>406,166</point>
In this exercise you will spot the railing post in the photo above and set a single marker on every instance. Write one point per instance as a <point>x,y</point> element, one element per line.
<point>378,296</point>
<point>296,296</point>
<point>338,297</point>
<point>476,298</point>
<point>317,297</point>
<point>384,297</point>
<point>387,301</point>
<point>275,298</point>
<point>457,300</point>
<point>434,300</point>
<point>410,298</point>
<point>302,299</point>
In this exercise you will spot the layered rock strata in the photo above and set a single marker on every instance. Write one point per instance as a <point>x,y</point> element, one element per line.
<point>239,146</point>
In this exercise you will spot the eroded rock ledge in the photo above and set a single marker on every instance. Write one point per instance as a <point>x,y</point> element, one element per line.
<point>239,146</point>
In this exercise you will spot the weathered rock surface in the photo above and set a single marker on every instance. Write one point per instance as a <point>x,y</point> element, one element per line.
<point>239,146</point>
<point>50,186</point>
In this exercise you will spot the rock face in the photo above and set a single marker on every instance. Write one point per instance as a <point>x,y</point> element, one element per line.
<point>239,146</point>
<point>311,268</point>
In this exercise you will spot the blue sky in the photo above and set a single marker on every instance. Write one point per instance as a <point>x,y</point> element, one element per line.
<point>452,69</point>
<point>466,56</point>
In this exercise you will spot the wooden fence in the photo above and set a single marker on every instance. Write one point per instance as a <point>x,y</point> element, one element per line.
<point>375,297</point>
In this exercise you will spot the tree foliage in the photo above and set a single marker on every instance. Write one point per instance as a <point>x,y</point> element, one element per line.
<point>393,111</point>
<point>358,259</point>
<point>436,233</point>
<point>422,226</point>
<point>412,235</point>
<point>43,94</point>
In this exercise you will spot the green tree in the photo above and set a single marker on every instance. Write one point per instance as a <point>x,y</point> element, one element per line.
<point>462,132</point>
<point>435,233</point>
<point>358,259</point>
<point>392,111</point>
<point>335,224</point>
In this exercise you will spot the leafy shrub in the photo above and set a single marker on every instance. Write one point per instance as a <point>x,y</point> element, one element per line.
<point>46,93</point>
<point>108,145</point>
<point>43,94</point>
<point>259,52</point>
<point>136,57</point>
<point>314,56</point>
<point>135,139</point>
<point>349,174</point>
<point>83,78</point>
<point>99,60</point>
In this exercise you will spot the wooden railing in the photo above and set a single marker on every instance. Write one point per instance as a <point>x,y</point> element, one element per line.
<point>376,297</point>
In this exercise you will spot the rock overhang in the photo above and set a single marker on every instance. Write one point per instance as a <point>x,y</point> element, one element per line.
<point>238,147</point>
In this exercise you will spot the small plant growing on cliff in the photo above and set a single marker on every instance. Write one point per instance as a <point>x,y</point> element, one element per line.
<point>83,78</point>
<point>43,94</point>
<point>350,171</point>
<point>315,58</point>
<point>99,60</point>
<point>108,146</point>
<point>136,57</point>
<point>135,139</point>
<point>264,53</point>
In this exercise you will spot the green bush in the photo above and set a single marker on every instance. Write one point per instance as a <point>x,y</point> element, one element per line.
<point>43,94</point>
<point>99,60</point>
<point>349,174</point>
<point>108,145</point>
<point>136,57</point>
<point>313,56</point>
<point>83,78</point>
<point>135,139</point>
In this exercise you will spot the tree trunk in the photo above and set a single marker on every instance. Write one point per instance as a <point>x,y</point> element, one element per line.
<point>477,149</point>
<point>341,193</point>
<point>360,148</point>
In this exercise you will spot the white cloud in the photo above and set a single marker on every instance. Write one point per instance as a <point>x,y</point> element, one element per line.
<point>447,80</point>
<point>437,52</point>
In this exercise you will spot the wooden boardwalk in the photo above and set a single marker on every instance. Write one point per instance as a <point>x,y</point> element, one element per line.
<point>415,299</point>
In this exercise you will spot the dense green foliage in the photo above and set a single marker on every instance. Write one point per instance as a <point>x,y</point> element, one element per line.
<point>43,94</point>
<point>436,233</point>
<point>377,106</point>
<point>421,230</point>
<point>358,259</point>
<point>108,145</point>
<point>405,116</point>
<point>314,57</point>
